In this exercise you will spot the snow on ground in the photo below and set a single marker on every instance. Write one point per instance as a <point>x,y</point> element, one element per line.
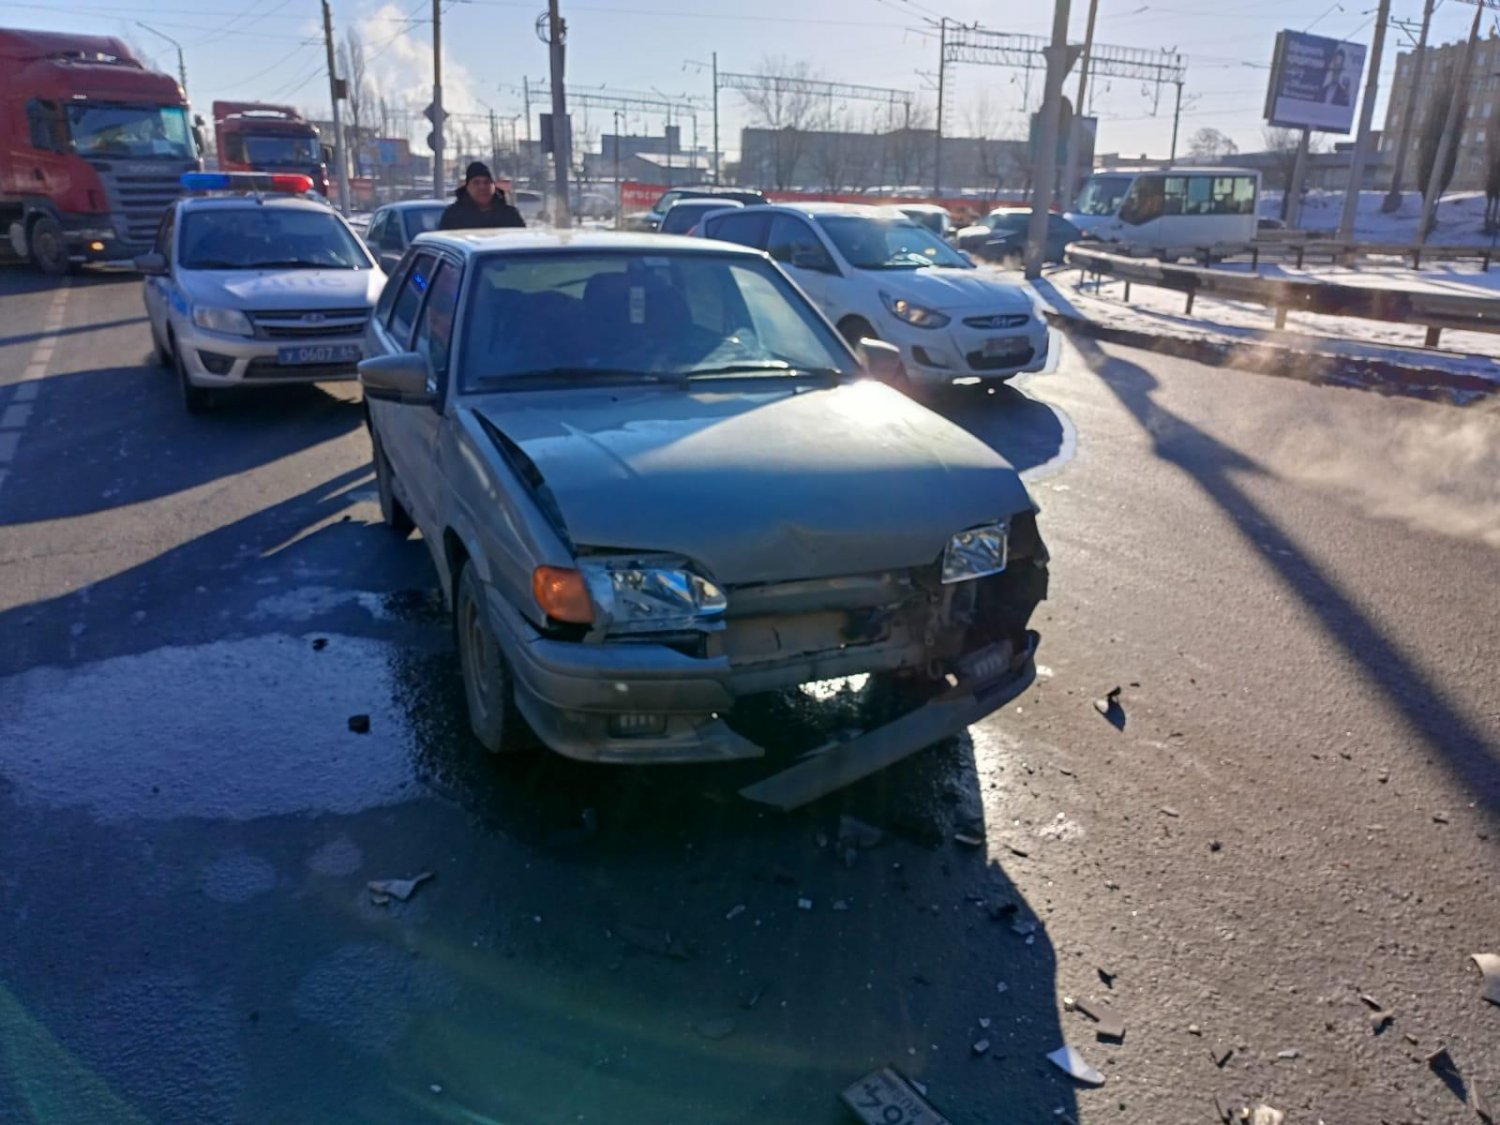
<point>1460,217</point>
<point>1460,279</point>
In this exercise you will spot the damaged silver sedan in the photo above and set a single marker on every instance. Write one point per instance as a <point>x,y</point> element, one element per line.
<point>655,482</point>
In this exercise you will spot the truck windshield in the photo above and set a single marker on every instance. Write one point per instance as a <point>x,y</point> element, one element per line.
<point>272,149</point>
<point>133,131</point>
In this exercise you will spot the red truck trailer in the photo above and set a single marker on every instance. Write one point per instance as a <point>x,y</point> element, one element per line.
<point>256,137</point>
<point>92,148</point>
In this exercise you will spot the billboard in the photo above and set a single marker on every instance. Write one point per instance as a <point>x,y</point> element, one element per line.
<point>1314,82</point>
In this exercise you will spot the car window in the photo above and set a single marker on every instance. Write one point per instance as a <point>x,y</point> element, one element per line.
<point>388,294</point>
<point>1011,222</point>
<point>420,220</point>
<point>409,299</point>
<point>262,237</point>
<point>683,217</point>
<point>789,235</point>
<point>666,201</point>
<point>164,234</point>
<point>879,243</point>
<point>390,232</point>
<point>435,326</point>
<point>569,315</point>
<point>748,229</point>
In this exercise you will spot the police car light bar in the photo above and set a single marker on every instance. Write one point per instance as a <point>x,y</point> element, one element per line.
<point>292,183</point>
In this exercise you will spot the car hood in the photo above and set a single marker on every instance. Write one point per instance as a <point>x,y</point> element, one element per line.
<point>257,290</point>
<point>941,288</point>
<point>773,485</point>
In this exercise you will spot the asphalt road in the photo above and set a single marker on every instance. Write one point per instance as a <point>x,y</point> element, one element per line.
<point>1294,586</point>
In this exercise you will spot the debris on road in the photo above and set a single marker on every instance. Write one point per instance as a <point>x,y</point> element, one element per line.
<point>1264,1115</point>
<point>382,891</point>
<point>734,912</point>
<point>1381,1020</point>
<point>1290,1053</point>
<point>1489,969</point>
<point>1168,810</point>
<point>981,1046</point>
<point>804,904</point>
<point>1370,1002</point>
<point>359,724</point>
<point>1107,1025</point>
<point>1001,986</point>
<point>1221,1059</point>
<point>1444,1067</point>
<point>841,904</point>
<point>1107,977</point>
<point>1067,1059</point>
<point>886,1095</point>
<point>715,1029</point>
<point>856,833</point>
<point>969,839</point>
<point>1439,818</point>
<point>319,644</point>
<point>660,942</point>
<point>984,1022</point>
<point>1110,708</point>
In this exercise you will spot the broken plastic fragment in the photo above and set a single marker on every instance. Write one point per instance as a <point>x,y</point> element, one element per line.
<point>1265,1115</point>
<point>981,1046</point>
<point>887,1095</point>
<point>383,890</point>
<point>1067,1059</point>
<point>855,832</point>
<point>1489,968</point>
<point>804,904</point>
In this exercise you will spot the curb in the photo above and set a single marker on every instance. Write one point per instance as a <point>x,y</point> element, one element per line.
<point>1309,366</point>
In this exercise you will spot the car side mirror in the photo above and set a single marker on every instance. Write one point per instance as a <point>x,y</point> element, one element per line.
<point>152,264</point>
<point>397,378</point>
<point>882,361</point>
<point>812,260</point>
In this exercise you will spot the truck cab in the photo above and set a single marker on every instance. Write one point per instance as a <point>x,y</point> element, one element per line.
<point>257,137</point>
<point>92,148</point>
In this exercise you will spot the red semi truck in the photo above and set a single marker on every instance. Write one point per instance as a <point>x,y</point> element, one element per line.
<point>255,137</point>
<point>92,148</point>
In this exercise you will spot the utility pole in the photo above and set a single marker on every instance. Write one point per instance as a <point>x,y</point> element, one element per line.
<point>1070,173</point>
<point>1366,116</point>
<point>526,103</point>
<point>1450,126</point>
<point>1393,197</point>
<point>335,93</point>
<point>494,143</point>
<point>1176,121</point>
<point>1046,155</point>
<point>439,188</point>
<point>716,116</point>
<point>619,210</point>
<point>562,139</point>
<point>181,66</point>
<point>1293,209</point>
<point>937,153</point>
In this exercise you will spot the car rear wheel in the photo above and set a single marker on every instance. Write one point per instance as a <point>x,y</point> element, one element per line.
<point>489,687</point>
<point>48,251</point>
<point>195,399</point>
<point>392,511</point>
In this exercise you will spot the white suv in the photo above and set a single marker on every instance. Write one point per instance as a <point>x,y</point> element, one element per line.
<point>876,273</point>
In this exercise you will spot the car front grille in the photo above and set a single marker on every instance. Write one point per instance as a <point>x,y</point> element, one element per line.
<point>999,320</point>
<point>310,324</point>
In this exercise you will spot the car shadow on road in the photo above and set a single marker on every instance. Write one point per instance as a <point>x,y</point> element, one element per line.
<point>1025,431</point>
<point>113,436</point>
<point>1422,704</point>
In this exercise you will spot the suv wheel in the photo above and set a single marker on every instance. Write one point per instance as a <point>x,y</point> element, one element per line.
<point>489,687</point>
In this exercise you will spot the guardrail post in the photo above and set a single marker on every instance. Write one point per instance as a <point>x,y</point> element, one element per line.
<point>1255,258</point>
<point>1189,310</point>
<point>1486,267</point>
<point>1416,258</point>
<point>1127,292</point>
<point>1280,316</point>
<point>1433,333</point>
<point>1301,250</point>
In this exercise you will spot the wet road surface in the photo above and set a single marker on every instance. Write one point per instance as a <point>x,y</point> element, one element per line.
<point>1293,585</point>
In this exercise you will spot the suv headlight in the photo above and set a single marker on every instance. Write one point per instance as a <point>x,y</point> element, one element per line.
<point>232,321</point>
<point>651,599</point>
<point>976,553</point>
<point>902,309</point>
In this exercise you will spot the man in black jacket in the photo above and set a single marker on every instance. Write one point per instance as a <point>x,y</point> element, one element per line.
<point>478,204</point>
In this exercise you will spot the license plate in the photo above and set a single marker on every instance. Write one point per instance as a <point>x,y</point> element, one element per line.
<point>1002,346</point>
<point>318,353</point>
<point>885,1098</point>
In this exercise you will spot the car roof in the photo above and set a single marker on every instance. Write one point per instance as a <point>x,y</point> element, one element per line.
<point>854,210</point>
<point>707,203</point>
<point>244,202</point>
<point>471,242</point>
<point>413,204</point>
<point>924,208</point>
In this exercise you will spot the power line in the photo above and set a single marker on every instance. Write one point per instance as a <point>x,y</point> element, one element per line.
<point>679,14</point>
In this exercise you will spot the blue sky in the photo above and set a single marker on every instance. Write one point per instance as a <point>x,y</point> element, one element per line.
<point>272,50</point>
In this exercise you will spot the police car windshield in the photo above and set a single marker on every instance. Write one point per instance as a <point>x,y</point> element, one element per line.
<point>260,237</point>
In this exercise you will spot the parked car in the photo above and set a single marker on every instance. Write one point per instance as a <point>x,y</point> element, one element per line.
<point>1001,235</point>
<point>655,481</point>
<point>245,290</point>
<point>651,220</point>
<point>877,274</point>
<point>930,215</point>
<point>531,204</point>
<point>686,214</point>
<point>392,228</point>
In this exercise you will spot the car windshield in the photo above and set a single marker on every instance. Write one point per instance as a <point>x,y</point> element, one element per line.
<point>683,217</point>
<point>572,317</point>
<point>1102,195</point>
<point>260,237</point>
<point>131,131</point>
<point>269,149</point>
<point>887,244</point>
<point>419,220</point>
<point>1008,222</point>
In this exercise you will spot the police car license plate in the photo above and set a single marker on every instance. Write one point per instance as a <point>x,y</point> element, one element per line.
<point>318,353</point>
<point>999,347</point>
<point>884,1097</point>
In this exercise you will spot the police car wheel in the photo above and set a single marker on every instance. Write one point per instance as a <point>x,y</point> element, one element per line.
<point>195,399</point>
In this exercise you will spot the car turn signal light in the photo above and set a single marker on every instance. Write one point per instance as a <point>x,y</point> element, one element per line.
<point>563,595</point>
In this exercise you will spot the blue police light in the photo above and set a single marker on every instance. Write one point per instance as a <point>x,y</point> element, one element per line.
<point>291,182</point>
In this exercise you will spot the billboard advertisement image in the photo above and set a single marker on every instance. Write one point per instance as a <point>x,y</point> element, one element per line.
<point>1314,82</point>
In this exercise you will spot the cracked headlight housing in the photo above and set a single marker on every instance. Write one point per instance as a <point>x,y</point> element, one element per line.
<point>916,315</point>
<point>230,321</point>
<point>975,553</point>
<point>636,598</point>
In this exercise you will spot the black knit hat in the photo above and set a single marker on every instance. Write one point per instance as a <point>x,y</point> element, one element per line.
<point>478,168</point>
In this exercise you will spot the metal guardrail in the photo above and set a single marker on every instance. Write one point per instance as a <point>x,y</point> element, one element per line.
<point>1299,246</point>
<point>1434,311</point>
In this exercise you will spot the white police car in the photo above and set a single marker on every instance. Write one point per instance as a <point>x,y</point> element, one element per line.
<point>252,284</point>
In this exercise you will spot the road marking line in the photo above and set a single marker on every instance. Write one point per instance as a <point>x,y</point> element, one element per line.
<point>15,417</point>
<point>8,443</point>
<point>14,420</point>
<point>26,391</point>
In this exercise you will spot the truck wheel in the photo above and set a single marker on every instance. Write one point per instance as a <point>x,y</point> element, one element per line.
<point>392,511</point>
<point>195,399</point>
<point>488,684</point>
<point>48,251</point>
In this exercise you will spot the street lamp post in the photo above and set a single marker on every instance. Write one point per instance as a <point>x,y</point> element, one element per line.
<point>181,66</point>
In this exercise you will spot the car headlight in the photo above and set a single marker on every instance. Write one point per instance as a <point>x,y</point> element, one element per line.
<point>976,553</point>
<point>902,309</point>
<point>214,319</point>
<point>651,599</point>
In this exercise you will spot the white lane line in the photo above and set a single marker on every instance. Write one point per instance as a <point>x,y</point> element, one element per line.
<point>15,417</point>
<point>13,421</point>
<point>26,392</point>
<point>8,443</point>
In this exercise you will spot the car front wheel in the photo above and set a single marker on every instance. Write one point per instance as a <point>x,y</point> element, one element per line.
<point>195,399</point>
<point>489,687</point>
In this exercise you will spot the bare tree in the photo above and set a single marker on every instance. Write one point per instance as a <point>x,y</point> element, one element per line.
<point>994,155</point>
<point>1211,144</point>
<point>585,138</point>
<point>909,148</point>
<point>831,150</point>
<point>778,104</point>
<point>1430,134</point>
<point>359,94</point>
